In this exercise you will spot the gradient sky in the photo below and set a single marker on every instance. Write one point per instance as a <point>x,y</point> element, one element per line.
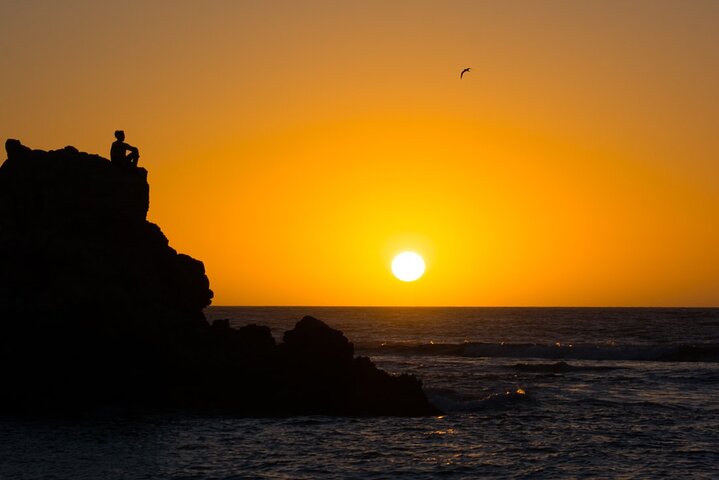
<point>296,146</point>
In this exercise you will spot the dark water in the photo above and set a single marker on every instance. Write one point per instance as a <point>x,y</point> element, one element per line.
<point>529,393</point>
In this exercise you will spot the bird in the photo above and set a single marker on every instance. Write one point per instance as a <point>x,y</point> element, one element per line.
<point>463,72</point>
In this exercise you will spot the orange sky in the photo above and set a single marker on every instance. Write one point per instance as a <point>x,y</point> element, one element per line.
<point>295,147</point>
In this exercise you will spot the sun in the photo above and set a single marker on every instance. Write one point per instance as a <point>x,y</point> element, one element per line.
<point>408,266</point>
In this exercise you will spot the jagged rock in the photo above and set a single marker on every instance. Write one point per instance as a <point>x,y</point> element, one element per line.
<point>97,308</point>
<point>250,340</point>
<point>323,377</point>
<point>314,340</point>
<point>74,240</point>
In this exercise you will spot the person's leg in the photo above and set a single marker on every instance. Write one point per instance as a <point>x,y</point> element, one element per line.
<point>132,158</point>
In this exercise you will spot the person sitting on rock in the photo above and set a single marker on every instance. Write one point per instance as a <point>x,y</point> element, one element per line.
<point>118,150</point>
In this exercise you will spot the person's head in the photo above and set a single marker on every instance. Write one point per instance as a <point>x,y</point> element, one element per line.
<point>120,135</point>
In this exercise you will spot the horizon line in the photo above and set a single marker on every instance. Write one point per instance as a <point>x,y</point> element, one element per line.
<point>467,306</point>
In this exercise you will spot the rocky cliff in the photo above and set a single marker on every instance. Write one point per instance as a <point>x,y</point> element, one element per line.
<point>96,308</point>
<point>75,245</point>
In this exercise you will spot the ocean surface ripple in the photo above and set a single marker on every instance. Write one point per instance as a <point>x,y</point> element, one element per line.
<point>528,393</point>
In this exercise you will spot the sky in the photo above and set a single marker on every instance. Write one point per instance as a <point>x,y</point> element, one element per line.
<point>296,147</point>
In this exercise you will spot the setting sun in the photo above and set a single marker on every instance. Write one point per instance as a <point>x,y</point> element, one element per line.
<point>446,229</point>
<point>408,266</point>
<point>321,139</point>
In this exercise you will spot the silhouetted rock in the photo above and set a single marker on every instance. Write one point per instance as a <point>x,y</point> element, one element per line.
<point>323,377</point>
<point>313,340</point>
<point>97,308</point>
<point>380,393</point>
<point>75,242</point>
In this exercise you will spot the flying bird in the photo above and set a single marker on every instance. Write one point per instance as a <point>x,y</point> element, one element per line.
<point>463,72</point>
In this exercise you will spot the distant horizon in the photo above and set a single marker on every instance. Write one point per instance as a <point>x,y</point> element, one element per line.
<point>474,306</point>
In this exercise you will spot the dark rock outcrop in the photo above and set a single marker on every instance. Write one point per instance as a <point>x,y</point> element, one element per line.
<point>75,243</point>
<point>96,308</point>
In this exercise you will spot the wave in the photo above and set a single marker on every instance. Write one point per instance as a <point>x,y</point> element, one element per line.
<point>647,353</point>
<point>452,401</point>
<point>558,367</point>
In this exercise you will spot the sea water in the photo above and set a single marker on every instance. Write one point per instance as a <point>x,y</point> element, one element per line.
<point>527,393</point>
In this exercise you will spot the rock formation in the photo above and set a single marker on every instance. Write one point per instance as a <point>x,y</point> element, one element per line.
<point>96,308</point>
<point>75,243</point>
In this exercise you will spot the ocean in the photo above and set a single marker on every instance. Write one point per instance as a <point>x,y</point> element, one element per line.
<point>527,393</point>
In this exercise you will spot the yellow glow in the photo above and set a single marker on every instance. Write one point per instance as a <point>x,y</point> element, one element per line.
<point>408,266</point>
<point>296,147</point>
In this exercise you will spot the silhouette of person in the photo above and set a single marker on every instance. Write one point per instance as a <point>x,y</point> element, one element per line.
<point>118,150</point>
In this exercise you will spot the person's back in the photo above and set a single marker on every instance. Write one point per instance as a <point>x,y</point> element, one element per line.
<point>118,150</point>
